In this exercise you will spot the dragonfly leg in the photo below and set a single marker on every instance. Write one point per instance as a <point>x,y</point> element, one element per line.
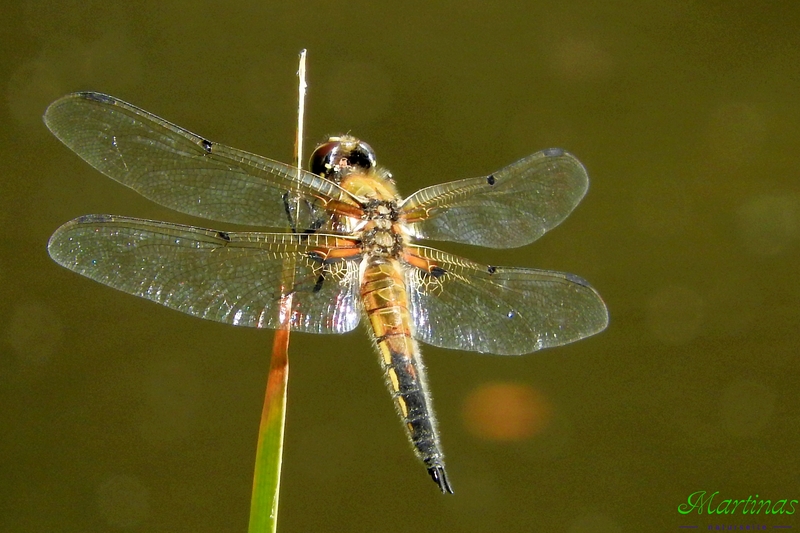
<point>292,215</point>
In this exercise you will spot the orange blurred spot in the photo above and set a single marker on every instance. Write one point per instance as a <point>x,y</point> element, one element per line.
<point>506,412</point>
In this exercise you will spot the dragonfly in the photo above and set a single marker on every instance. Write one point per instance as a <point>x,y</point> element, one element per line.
<point>348,249</point>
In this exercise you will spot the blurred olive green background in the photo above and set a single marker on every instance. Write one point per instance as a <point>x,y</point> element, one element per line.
<point>120,415</point>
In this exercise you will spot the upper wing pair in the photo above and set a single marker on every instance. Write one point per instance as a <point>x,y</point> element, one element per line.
<point>183,171</point>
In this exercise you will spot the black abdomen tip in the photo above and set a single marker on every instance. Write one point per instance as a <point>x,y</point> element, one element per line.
<point>439,476</point>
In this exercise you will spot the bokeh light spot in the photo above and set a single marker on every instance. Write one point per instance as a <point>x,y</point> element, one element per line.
<point>506,412</point>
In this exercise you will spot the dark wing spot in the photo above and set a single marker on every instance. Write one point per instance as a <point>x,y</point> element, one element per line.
<point>437,271</point>
<point>490,180</point>
<point>94,219</point>
<point>576,279</point>
<point>224,236</point>
<point>98,97</point>
<point>206,144</point>
<point>553,152</point>
<point>491,269</point>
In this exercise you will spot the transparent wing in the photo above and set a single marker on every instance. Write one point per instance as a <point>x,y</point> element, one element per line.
<point>505,311</point>
<point>234,278</point>
<point>510,208</point>
<point>181,170</point>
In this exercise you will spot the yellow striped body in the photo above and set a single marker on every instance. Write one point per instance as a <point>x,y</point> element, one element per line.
<point>383,293</point>
<point>385,303</point>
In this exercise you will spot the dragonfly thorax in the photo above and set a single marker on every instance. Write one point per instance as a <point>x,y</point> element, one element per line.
<point>381,210</point>
<point>381,234</point>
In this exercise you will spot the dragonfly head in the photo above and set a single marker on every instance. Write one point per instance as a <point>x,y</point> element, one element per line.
<point>339,156</point>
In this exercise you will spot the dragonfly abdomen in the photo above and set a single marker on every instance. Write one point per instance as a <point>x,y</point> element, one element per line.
<point>386,305</point>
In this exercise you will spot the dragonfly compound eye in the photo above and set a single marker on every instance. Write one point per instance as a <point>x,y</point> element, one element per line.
<point>362,155</point>
<point>323,157</point>
<point>340,155</point>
